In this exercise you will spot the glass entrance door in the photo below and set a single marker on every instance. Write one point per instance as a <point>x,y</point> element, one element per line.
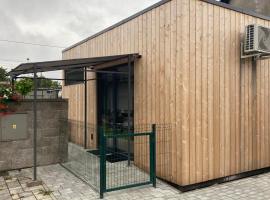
<point>113,105</point>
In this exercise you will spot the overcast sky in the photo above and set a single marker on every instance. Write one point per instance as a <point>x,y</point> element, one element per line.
<point>55,22</point>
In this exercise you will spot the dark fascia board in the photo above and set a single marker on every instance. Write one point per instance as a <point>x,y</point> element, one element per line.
<point>214,2</point>
<point>27,68</point>
<point>119,23</point>
<point>238,9</point>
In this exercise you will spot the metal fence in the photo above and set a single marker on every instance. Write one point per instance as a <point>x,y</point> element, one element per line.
<point>84,165</point>
<point>118,166</point>
<point>114,166</point>
<point>75,158</point>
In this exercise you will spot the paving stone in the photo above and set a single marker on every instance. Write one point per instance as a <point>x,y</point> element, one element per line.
<point>29,198</point>
<point>15,196</point>
<point>5,196</point>
<point>15,190</point>
<point>25,194</point>
<point>65,186</point>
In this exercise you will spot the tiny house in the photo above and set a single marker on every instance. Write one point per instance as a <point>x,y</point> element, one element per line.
<point>190,75</point>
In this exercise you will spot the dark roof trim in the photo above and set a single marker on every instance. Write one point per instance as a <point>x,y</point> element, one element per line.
<point>237,9</point>
<point>119,23</point>
<point>27,68</point>
<point>214,2</point>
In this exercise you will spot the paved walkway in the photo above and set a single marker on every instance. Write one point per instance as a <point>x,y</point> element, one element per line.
<point>13,186</point>
<point>65,186</point>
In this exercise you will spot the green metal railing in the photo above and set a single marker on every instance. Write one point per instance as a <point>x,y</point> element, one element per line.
<point>120,169</point>
<point>114,166</point>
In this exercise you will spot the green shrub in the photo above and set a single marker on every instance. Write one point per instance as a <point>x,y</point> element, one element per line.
<point>24,86</point>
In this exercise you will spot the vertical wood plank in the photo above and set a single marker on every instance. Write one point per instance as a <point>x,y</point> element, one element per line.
<point>157,69</point>
<point>185,98</point>
<point>171,142</point>
<point>177,167</point>
<point>198,92</point>
<point>216,131</point>
<point>192,92</point>
<point>241,96</point>
<point>227,96</point>
<point>205,138</point>
<point>232,92</point>
<point>168,81</point>
<point>222,91</point>
<point>153,66</point>
<point>144,82</point>
<point>210,84</point>
<point>162,77</point>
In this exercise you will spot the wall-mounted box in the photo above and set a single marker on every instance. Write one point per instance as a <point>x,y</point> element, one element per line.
<point>13,127</point>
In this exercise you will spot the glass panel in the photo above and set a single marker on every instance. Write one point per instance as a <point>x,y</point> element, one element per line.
<point>113,105</point>
<point>74,77</point>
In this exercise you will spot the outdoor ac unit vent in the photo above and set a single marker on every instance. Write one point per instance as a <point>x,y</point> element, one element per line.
<point>257,40</point>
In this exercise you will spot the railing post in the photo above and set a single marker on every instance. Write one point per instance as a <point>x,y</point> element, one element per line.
<point>35,126</point>
<point>153,155</point>
<point>102,149</point>
<point>85,108</point>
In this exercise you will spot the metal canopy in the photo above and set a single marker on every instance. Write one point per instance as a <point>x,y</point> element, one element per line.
<point>95,62</point>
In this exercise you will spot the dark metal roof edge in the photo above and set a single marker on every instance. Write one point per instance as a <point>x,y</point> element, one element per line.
<point>237,9</point>
<point>118,24</point>
<point>17,71</point>
<point>74,59</point>
<point>224,5</point>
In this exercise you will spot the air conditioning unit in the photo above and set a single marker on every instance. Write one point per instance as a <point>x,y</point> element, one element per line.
<point>257,40</point>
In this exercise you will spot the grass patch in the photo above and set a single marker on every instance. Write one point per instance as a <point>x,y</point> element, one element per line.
<point>45,192</point>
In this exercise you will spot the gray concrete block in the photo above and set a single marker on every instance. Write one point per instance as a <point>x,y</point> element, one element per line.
<point>23,144</point>
<point>5,165</point>
<point>49,132</point>
<point>23,157</point>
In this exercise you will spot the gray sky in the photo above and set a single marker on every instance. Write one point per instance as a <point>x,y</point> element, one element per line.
<point>55,22</point>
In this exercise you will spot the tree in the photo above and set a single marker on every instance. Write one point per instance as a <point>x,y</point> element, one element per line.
<point>47,83</point>
<point>56,85</point>
<point>3,74</point>
<point>24,86</point>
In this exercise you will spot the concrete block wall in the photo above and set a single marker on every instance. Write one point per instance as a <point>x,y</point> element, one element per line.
<point>51,136</point>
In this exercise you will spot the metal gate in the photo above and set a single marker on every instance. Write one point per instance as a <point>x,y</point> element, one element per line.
<point>121,169</point>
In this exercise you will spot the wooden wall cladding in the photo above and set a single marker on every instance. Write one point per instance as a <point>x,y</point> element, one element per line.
<point>75,94</point>
<point>190,76</point>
